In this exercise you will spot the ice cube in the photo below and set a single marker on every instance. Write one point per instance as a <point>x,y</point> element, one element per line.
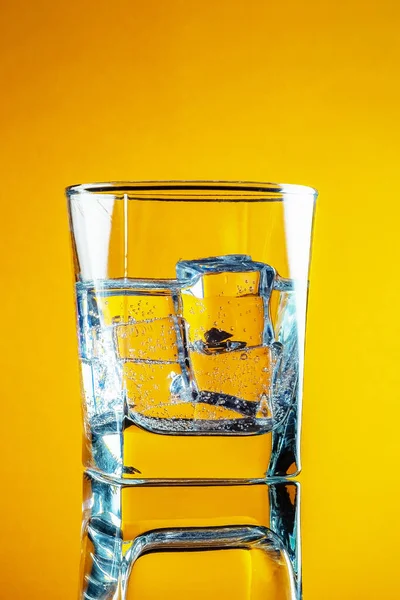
<point>225,307</point>
<point>286,367</point>
<point>148,334</point>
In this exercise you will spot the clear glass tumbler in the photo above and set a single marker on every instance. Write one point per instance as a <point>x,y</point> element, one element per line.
<point>191,305</point>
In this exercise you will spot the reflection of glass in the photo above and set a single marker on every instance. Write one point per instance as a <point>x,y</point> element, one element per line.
<point>242,542</point>
<point>191,302</point>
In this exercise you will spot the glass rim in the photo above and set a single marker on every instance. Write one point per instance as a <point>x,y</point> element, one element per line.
<point>201,190</point>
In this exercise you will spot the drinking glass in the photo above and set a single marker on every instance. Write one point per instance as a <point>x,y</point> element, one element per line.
<point>191,303</point>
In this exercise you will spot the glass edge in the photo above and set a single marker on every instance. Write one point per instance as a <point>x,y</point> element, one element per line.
<point>125,187</point>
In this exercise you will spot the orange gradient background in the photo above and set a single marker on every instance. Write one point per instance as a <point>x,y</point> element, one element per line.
<point>302,92</point>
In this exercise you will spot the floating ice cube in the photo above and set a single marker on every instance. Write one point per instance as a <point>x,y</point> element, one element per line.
<point>225,306</point>
<point>286,364</point>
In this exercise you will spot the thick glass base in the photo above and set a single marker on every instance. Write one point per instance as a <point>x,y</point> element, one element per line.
<point>123,450</point>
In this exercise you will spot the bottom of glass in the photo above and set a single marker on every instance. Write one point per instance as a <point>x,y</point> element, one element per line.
<point>135,453</point>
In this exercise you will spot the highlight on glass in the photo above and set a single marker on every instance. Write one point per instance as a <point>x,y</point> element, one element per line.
<point>191,304</point>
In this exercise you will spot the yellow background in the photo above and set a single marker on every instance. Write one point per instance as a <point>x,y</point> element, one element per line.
<point>303,92</point>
